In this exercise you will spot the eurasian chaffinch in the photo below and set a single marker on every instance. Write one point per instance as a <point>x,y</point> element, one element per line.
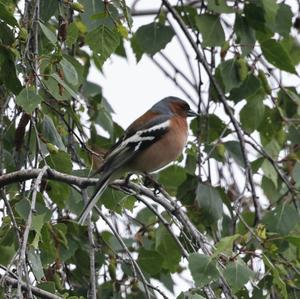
<point>151,142</point>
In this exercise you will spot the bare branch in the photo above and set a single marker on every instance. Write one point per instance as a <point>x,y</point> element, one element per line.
<point>13,282</point>
<point>93,288</point>
<point>165,223</point>
<point>11,215</point>
<point>22,254</point>
<point>137,267</point>
<point>51,174</point>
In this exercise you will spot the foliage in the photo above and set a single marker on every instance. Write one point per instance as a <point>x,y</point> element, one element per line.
<point>236,186</point>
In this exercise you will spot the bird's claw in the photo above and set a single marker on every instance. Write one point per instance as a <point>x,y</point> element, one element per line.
<point>149,181</point>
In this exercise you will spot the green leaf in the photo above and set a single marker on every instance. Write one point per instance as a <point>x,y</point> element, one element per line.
<point>210,202</point>
<point>146,217</point>
<point>238,274</point>
<point>103,41</point>
<point>36,264</point>
<point>186,191</point>
<point>291,46</point>
<point>69,71</point>
<point>72,34</point>
<point>8,70</point>
<point>203,268</point>
<point>211,128</point>
<point>248,88</point>
<point>150,261</point>
<point>270,10</point>
<point>50,133</point>
<point>64,84</point>
<point>167,248</point>
<point>49,286</point>
<point>28,99</point>
<point>296,174</point>
<point>219,6</point>
<point>52,87</point>
<point>58,193</point>
<point>277,280</point>
<point>283,21</point>
<point>96,14</point>
<point>104,119</point>
<point>7,253</point>
<point>112,199</point>
<point>252,113</point>
<point>6,16</point>
<point>60,161</point>
<point>271,126</point>
<point>23,208</point>
<point>153,37</point>
<point>234,149</point>
<point>270,190</point>
<point>172,177</point>
<point>189,295</point>
<point>225,245</point>
<point>245,34</point>
<point>270,172</point>
<point>256,164</point>
<point>282,219</point>
<point>41,215</point>
<point>277,55</point>
<point>47,246</point>
<point>211,29</point>
<point>136,48</point>
<point>229,74</point>
<point>90,89</point>
<point>48,33</point>
<point>249,219</point>
<point>293,239</point>
<point>48,9</point>
<point>288,101</point>
<point>255,15</point>
<point>6,35</point>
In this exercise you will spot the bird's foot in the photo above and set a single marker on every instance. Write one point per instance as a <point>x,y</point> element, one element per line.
<point>149,181</point>
<point>129,175</point>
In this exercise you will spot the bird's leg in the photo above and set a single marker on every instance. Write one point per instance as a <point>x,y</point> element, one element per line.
<point>129,175</point>
<point>126,182</point>
<point>149,181</point>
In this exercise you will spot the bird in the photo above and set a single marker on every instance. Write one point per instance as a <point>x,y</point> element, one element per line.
<point>151,142</point>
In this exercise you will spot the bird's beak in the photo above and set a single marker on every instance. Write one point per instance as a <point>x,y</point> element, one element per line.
<point>192,113</point>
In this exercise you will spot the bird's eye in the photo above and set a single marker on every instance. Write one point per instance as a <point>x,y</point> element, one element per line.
<point>187,107</point>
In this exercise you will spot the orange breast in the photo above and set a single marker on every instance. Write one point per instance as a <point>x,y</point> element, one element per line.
<point>165,150</point>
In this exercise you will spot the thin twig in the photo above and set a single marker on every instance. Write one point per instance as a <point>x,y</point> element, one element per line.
<point>13,282</point>
<point>260,150</point>
<point>173,78</point>
<point>177,70</point>
<point>119,238</point>
<point>11,215</point>
<point>165,223</point>
<point>93,288</point>
<point>22,254</point>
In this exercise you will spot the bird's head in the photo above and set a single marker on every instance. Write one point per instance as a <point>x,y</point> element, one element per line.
<point>173,105</point>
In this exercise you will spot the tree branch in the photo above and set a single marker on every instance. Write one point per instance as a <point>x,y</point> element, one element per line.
<point>22,254</point>
<point>93,288</point>
<point>51,174</point>
<point>13,282</point>
<point>137,267</point>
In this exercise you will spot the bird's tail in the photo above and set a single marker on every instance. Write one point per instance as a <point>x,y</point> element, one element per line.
<point>100,188</point>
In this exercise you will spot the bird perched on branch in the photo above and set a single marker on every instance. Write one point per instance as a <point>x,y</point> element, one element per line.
<point>151,142</point>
